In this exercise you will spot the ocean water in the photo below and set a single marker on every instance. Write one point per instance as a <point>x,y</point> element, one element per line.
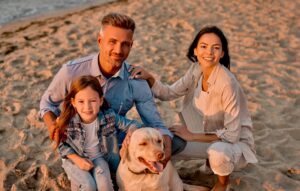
<point>17,10</point>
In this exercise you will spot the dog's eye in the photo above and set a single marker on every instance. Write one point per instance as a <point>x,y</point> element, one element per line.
<point>143,144</point>
<point>159,141</point>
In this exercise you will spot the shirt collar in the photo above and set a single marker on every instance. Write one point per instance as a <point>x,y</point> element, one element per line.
<point>95,69</point>
<point>197,71</point>
<point>213,76</point>
<point>123,72</point>
<point>120,73</point>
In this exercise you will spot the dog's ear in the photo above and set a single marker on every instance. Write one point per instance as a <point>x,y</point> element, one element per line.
<point>125,154</point>
<point>163,142</point>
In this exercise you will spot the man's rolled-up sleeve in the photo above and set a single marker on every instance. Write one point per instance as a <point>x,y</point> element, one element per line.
<point>146,107</point>
<point>55,93</point>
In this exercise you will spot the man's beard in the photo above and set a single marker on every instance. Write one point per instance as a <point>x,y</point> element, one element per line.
<point>116,64</point>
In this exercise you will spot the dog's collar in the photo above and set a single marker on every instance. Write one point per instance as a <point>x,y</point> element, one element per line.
<point>146,171</point>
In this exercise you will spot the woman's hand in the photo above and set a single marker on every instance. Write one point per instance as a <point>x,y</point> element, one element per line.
<point>181,131</point>
<point>140,73</point>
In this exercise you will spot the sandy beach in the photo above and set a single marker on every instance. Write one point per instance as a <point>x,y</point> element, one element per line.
<point>264,42</point>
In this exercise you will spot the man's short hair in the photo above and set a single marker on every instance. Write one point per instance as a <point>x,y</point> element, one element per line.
<point>118,20</point>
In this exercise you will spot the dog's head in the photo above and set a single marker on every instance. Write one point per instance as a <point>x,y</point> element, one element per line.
<point>145,151</point>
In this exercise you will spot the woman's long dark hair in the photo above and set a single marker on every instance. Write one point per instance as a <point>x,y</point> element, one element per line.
<point>68,111</point>
<point>225,60</point>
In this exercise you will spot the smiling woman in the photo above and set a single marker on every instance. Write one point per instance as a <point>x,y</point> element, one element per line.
<point>223,132</point>
<point>208,52</point>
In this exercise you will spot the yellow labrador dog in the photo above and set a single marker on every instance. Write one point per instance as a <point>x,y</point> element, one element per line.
<point>141,168</point>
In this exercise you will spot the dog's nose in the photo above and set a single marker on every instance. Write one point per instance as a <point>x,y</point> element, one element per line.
<point>160,155</point>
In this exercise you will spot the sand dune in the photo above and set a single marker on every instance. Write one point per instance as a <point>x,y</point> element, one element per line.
<point>264,40</point>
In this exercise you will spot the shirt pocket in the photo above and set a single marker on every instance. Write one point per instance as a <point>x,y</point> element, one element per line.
<point>124,106</point>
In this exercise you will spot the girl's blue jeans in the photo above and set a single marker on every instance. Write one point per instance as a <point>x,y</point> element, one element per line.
<point>97,178</point>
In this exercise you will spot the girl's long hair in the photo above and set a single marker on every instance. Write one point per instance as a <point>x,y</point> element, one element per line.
<point>68,111</point>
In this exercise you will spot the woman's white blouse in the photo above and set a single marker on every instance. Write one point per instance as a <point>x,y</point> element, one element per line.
<point>222,109</point>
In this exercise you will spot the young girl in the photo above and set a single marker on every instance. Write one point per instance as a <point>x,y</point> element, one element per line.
<point>221,131</point>
<point>87,129</point>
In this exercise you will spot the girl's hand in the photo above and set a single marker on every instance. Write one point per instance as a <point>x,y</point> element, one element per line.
<point>83,163</point>
<point>181,131</point>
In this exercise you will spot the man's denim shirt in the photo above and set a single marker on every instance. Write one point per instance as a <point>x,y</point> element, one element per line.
<point>109,123</point>
<point>120,91</point>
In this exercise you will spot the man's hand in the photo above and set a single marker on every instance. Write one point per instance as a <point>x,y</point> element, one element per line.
<point>53,131</point>
<point>168,149</point>
<point>51,123</point>
<point>82,163</point>
<point>126,142</point>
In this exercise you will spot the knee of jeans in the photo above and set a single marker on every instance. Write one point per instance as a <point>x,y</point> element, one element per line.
<point>100,171</point>
<point>87,186</point>
<point>220,163</point>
